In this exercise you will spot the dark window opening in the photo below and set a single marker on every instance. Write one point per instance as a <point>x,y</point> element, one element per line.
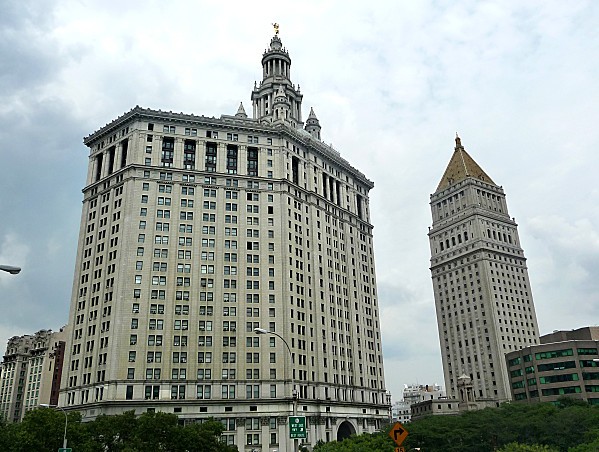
<point>252,161</point>
<point>111,153</point>
<point>231,159</point>
<point>189,154</point>
<point>359,204</point>
<point>211,157</point>
<point>295,170</point>
<point>168,151</point>
<point>124,149</point>
<point>99,162</point>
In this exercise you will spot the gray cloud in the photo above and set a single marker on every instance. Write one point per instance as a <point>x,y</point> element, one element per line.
<point>391,85</point>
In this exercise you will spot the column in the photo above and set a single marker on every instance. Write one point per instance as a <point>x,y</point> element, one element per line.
<point>178,153</point>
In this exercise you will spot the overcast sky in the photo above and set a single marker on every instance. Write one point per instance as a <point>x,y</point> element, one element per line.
<point>391,82</point>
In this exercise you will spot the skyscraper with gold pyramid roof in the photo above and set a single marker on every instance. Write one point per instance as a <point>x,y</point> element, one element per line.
<point>480,279</point>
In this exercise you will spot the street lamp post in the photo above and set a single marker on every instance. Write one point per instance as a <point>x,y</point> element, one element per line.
<point>10,269</point>
<point>66,421</point>
<point>293,391</point>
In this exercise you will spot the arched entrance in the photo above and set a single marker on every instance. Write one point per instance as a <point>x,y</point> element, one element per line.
<point>346,429</point>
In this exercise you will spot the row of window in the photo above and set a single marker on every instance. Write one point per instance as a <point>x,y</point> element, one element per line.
<point>191,131</point>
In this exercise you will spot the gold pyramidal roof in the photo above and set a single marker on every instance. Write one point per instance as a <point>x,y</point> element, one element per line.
<point>460,167</point>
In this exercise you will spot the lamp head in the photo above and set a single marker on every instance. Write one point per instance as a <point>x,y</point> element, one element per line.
<point>11,269</point>
<point>260,331</point>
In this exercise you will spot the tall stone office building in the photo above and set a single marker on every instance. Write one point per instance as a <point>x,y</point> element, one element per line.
<point>30,373</point>
<point>482,291</point>
<point>195,231</point>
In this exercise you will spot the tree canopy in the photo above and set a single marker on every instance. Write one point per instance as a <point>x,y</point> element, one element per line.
<point>568,426</point>
<point>43,429</point>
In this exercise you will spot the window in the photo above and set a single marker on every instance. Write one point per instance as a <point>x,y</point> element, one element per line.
<point>228,391</point>
<point>252,160</point>
<point>210,161</point>
<point>232,158</point>
<point>129,393</point>
<point>252,358</point>
<point>205,325</point>
<point>204,341</point>
<point>204,374</point>
<point>204,391</point>
<point>229,357</point>
<point>554,354</point>
<point>178,392</point>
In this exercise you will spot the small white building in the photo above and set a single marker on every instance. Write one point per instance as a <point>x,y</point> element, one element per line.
<point>415,393</point>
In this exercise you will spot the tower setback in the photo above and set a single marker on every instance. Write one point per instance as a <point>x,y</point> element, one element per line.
<point>480,279</point>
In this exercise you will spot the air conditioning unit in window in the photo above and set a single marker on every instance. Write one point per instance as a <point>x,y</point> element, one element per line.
<point>233,328</point>
<point>202,328</point>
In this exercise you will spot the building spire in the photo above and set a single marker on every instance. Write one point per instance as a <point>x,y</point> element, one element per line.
<point>276,76</point>
<point>241,111</point>
<point>460,167</point>
<point>313,125</point>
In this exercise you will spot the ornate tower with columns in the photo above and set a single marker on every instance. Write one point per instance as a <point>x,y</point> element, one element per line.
<point>480,279</point>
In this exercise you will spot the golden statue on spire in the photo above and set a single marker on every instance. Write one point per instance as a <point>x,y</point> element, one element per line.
<point>276,27</point>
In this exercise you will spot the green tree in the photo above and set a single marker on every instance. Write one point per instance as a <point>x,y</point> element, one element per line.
<point>111,433</point>
<point>517,447</point>
<point>371,442</point>
<point>43,429</point>
<point>592,446</point>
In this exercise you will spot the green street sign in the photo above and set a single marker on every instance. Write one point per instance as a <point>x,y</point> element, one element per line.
<point>297,427</point>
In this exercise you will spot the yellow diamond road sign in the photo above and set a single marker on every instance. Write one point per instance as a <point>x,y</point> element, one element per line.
<point>398,433</point>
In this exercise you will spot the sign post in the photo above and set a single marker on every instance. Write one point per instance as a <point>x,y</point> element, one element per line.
<point>398,434</point>
<point>297,427</point>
